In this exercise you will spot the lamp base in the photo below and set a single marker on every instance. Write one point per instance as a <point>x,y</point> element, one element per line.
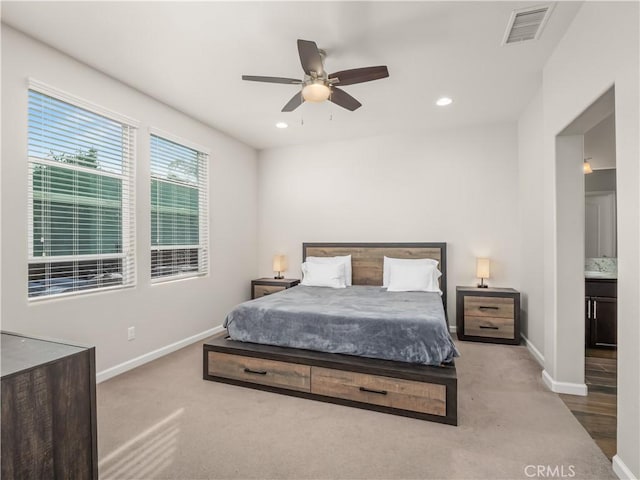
<point>482,286</point>
<point>279,277</point>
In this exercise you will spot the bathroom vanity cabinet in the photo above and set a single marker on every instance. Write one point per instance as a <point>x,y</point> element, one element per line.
<point>601,313</point>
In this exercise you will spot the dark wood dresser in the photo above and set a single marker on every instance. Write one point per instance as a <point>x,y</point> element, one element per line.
<point>48,409</point>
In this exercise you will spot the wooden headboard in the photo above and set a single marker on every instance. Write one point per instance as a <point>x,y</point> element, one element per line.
<point>367,258</point>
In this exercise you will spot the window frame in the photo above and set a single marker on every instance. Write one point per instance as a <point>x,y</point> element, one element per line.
<point>128,255</point>
<point>203,211</point>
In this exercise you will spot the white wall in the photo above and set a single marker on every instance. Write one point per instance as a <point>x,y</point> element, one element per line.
<point>569,250</point>
<point>600,49</point>
<point>163,313</point>
<point>455,186</point>
<point>530,178</point>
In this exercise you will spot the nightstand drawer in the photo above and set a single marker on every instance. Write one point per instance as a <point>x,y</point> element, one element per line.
<point>266,286</point>
<point>494,327</point>
<point>262,290</point>
<point>500,307</point>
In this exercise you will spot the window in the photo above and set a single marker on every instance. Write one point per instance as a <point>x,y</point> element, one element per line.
<point>81,229</point>
<point>179,223</point>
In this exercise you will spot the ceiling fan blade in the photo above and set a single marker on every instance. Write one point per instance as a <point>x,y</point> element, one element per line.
<point>310,57</point>
<point>294,103</point>
<point>289,81</point>
<point>360,75</point>
<point>342,98</point>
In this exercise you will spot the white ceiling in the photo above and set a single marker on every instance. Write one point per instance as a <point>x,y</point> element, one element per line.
<point>191,56</point>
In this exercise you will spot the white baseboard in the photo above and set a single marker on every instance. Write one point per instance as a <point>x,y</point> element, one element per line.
<point>160,352</point>
<point>621,470</point>
<point>453,329</point>
<point>535,353</point>
<point>564,387</point>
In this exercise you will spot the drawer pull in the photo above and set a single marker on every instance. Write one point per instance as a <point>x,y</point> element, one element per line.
<point>255,372</point>
<point>488,308</point>
<point>380,392</point>
<point>490,327</point>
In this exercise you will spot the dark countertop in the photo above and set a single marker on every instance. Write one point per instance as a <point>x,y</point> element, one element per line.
<point>21,353</point>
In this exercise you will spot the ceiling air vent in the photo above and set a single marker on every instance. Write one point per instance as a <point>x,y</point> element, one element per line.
<point>526,24</point>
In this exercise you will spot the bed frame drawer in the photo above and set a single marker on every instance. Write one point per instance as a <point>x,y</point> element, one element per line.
<point>475,306</point>
<point>410,390</point>
<point>258,370</point>
<point>389,392</point>
<point>494,327</point>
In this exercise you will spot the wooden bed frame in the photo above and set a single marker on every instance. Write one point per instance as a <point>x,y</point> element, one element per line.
<point>411,390</point>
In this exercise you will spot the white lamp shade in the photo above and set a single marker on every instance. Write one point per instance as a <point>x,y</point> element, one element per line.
<point>316,92</point>
<point>279,263</point>
<point>482,268</point>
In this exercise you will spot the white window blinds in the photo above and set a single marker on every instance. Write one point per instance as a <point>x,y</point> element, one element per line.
<point>81,202</point>
<point>179,214</point>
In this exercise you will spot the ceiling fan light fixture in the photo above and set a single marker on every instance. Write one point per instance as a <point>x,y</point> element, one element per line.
<point>281,125</point>
<point>317,84</point>
<point>444,101</point>
<point>316,92</point>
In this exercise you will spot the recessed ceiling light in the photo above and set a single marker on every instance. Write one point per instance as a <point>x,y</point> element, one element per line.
<point>281,125</point>
<point>444,101</point>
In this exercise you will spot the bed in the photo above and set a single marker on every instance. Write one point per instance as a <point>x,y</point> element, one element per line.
<point>366,321</point>
<point>395,355</point>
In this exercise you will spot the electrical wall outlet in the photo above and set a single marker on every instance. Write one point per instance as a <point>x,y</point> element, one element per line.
<point>131,333</point>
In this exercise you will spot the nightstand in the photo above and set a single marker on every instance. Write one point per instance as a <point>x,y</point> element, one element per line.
<point>267,286</point>
<point>488,315</point>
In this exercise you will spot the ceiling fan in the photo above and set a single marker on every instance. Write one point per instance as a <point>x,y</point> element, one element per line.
<point>317,85</point>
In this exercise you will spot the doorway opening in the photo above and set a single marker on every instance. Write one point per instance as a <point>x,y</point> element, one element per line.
<point>587,263</point>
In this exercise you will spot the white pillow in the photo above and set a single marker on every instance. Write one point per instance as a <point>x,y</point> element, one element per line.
<point>408,277</point>
<point>346,260</point>
<point>323,275</point>
<point>404,261</point>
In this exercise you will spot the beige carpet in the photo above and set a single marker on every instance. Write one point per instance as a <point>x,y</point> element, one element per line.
<point>163,421</point>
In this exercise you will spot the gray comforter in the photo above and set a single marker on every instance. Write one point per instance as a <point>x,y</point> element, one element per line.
<point>358,320</point>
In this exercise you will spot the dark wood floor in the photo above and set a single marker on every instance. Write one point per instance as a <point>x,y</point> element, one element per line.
<point>597,411</point>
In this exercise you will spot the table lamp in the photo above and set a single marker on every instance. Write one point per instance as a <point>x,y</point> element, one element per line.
<point>482,271</point>
<point>279,265</point>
